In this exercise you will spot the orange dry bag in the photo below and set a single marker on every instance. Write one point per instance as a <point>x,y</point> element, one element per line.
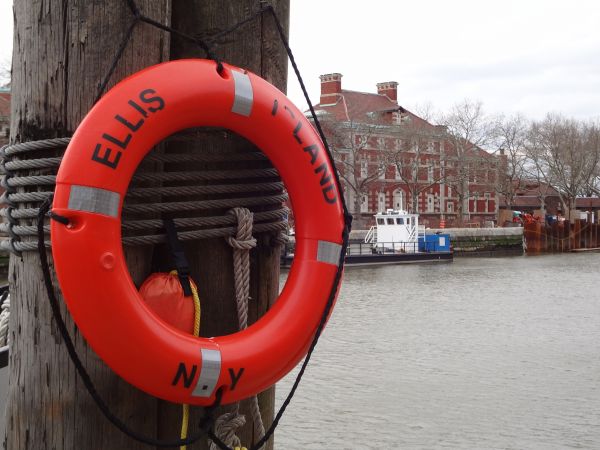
<point>163,293</point>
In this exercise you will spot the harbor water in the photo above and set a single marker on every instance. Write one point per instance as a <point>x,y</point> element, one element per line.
<point>481,353</point>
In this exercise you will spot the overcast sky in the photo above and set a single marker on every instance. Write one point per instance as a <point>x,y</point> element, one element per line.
<point>529,56</point>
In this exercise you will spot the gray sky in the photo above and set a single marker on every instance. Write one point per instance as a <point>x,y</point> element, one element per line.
<point>532,56</point>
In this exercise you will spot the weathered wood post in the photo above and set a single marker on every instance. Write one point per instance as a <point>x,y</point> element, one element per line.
<point>62,50</point>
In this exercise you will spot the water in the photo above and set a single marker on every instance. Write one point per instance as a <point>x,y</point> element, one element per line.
<point>491,353</point>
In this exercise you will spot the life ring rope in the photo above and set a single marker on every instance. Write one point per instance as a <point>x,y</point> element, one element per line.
<point>342,241</point>
<point>90,187</point>
<point>327,249</point>
<point>326,254</point>
<point>314,245</point>
<point>205,424</point>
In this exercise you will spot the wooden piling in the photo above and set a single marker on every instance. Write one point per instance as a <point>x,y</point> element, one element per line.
<point>62,50</point>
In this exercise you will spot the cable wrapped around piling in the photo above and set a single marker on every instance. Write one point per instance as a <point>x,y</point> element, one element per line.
<point>197,200</point>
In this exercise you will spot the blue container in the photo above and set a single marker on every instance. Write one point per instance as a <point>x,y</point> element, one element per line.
<point>434,243</point>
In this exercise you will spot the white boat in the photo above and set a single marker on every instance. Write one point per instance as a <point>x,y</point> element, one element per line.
<point>395,238</point>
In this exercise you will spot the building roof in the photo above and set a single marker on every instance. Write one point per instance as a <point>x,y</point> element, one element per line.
<point>587,202</point>
<point>354,106</point>
<point>533,188</point>
<point>533,201</point>
<point>362,106</point>
<point>376,108</point>
<point>523,201</point>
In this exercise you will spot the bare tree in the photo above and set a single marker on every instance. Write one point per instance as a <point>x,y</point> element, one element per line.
<point>511,133</point>
<point>592,185</point>
<point>469,130</point>
<point>5,67</point>
<point>360,163</point>
<point>426,111</point>
<point>565,153</point>
<point>415,161</point>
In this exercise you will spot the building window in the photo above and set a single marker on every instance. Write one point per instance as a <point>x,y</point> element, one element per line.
<point>364,168</point>
<point>430,174</point>
<point>450,207</point>
<point>399,199</point>
<point>364,206</point>
<point>397,172</point>
<point>381,202</point>
<point>430,203</point>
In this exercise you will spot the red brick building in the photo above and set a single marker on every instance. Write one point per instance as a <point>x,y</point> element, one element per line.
<point>391,158</point>
<point>4,115</point>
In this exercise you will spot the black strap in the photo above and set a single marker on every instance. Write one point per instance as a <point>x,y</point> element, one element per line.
<point>178,256</point>
<point>3,356</point>
<point>207,421</point>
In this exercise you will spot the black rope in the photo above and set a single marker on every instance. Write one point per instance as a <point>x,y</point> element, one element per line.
<point>178,257</point>
<point>201,43</point>
<point>225,32</point>
<point>116,59</point>
<point>340,266</point>
<point>139,17</point>
<point>205,424</point>
<point>281,31</point>
<point>320,327</point>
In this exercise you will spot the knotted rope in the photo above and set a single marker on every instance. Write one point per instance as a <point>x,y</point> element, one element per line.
<point>227,424</point>
<point>242,243</point>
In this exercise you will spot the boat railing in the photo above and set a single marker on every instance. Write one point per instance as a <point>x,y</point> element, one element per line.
<point>379,248</point>
<point>371,235</point>
<point>396,247</point>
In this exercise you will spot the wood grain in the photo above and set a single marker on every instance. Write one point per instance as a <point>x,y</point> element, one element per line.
<point>62,49</point>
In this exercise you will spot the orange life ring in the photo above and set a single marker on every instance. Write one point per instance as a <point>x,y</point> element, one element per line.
<point>92,181</point>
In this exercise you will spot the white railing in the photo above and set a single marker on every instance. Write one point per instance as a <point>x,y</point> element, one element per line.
<point>395,247</point>
<point>371,235</point>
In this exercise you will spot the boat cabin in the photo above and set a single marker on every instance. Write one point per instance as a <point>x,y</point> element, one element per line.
<point>395,230</point>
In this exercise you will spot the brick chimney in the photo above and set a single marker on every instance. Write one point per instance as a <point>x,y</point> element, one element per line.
<point>390,89</point>
<point>331,85</point>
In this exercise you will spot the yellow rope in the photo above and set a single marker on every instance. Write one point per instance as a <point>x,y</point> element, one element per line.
<point>185,419</point>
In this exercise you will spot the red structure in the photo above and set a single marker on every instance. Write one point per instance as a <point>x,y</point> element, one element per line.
<point>391,158</point>
<point>4,115</point>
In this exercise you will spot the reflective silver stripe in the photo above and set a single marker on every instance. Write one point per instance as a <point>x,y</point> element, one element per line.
<point>95,200</point>
<point>209,375</point>
<point>244,96</point>
<point>329,252</point>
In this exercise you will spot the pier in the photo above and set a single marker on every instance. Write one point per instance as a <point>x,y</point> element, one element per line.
<point>472,241</point>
